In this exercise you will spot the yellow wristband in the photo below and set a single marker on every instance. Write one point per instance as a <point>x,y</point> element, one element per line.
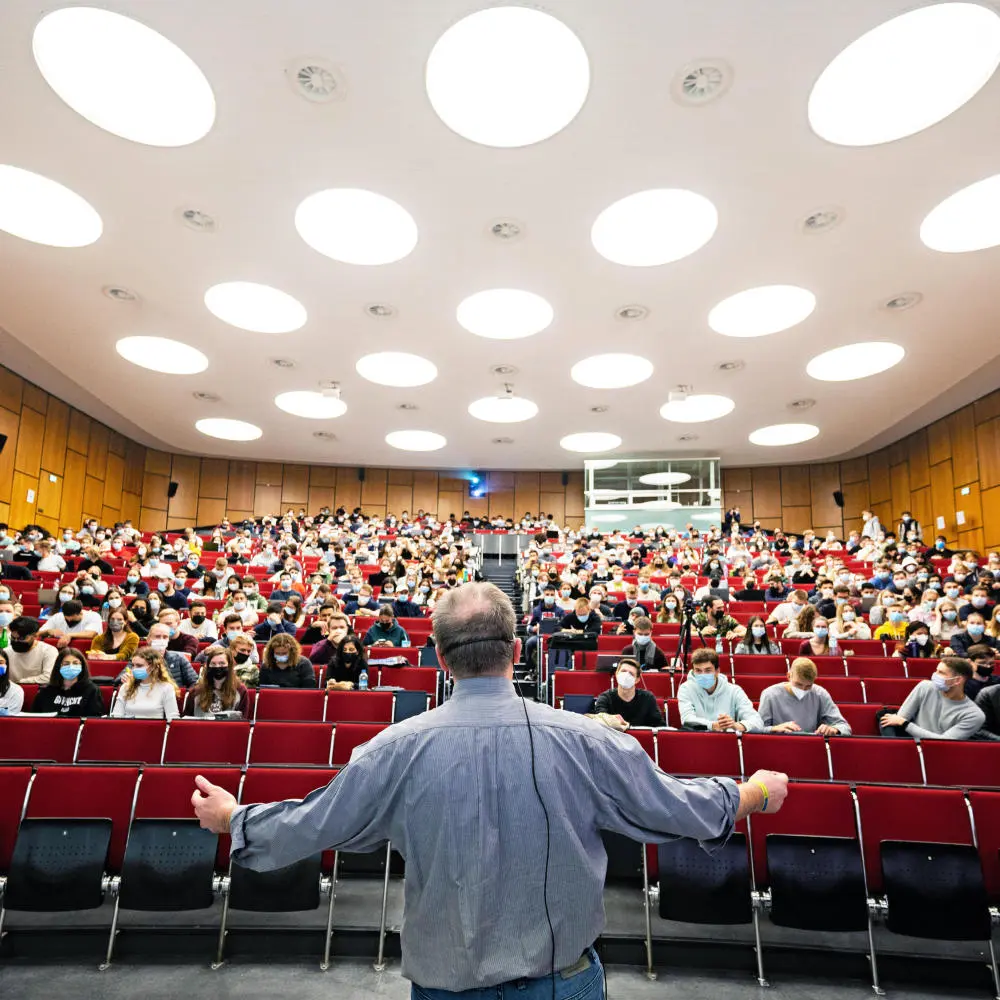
<point>767,797</point>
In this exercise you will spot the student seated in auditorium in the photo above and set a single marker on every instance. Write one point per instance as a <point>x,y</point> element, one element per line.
<point>170,596</point>
<point>117,641</point>
<point>848,624</point>
<point>350,657</point>
<point>713,621</point>
<point>179,642</point>
<point>756,641</point>
<point>283,664</point>
<point>30,659</point>
<point>199,624</point>
<point>218,688</point>
<point>894,628</point>
<point>328,621</point>
<point>599,602</point>
<point>148,690</point>
<point>245,659</point>
<point>581,619</point>
<point>643,649</point>
<point>708,700</point>
<point>624,608</point>
<point>11,693</point>
<point>177,664</point>
<point>386,631</point>
<point>274,624</point>
<point>919,644</point>
<point>979,600</point>
<point>800,705</point>
<point>402,606</point>
<point>70,693</point>
<point>988,702</point>
<point>790,609</point>
<point>671,608</point>
<point>627,705</point>
<point>363,604</point>
<point>938,709</point>
<point>982,658</point>
<point>973,634</point>
<point>819,644</point>
<point>72,622</point>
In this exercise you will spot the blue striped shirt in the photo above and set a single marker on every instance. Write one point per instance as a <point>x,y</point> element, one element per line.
<point>452,790</point>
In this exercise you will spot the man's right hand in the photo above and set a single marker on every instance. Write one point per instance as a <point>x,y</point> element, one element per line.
<point>776,784</point>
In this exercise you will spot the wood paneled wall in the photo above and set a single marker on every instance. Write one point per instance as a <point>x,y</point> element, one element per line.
<point>60,467</point>
<point>950,468</point>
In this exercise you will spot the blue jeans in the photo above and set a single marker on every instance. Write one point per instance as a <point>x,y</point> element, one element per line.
<point>582,984</point>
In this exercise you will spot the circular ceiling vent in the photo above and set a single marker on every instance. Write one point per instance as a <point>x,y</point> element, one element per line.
<point>325,435</point>
<point>282,363</point>
<point>380,310</point>
<point>408,407</point>
<point>503,440</point>
<point>199,221</point>
<point>802,404</point>
<point>119,293</point>
<point>503,370</point>
<point>632,312</point>
<point>506,230</point>
<point>730,366</point>
<point>702,81</point>
<point>316,80</point>
<point>688,437</point>
<point>599,409</point>
<point>905,300</point>
<point>822,220</point>
<point>206,397</point>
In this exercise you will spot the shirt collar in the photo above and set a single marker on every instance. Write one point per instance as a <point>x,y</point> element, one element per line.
<point>481,687</point>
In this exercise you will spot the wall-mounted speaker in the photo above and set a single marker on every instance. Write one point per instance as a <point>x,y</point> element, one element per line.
<point>838,498</point>
<point>3,441</point>
<point>361,475</point>
<point>565,479</point>
<point>172,489</point>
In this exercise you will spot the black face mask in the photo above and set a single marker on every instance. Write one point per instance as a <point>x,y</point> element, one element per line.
<point>217,673</point>
<point>349,657</point>
<point>241,657</point>
<point>21,647</point>
<point>197,619</point>
<point>73,623</point>
<point>984,669</point>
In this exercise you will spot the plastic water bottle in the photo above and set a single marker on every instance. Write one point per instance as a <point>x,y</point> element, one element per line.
<point>833,643</point>
<point>363,680</point>
<point>718,644</point>
<point>406,644</point>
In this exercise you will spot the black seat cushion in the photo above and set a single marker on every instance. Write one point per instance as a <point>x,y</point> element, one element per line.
<point>169,864</point>
<point>699,888</point>
<point>282,891</point>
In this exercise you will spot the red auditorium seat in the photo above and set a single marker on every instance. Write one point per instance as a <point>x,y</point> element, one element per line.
<point>890,691</point>
<point>277,704</point>
<point>30,690</point>
<point>672,712</point>
<point>25,738</point>
<point>566,682</point>
<point>861,718</point>
<point>133,740</point>
<point>799,756</point>
<point>864,647</point>
<point>755,684</point>
<point>359,706</point>
<point>879,759</point>
<point>411,679</point>
<point>986,815</point>
<point>291,743</point>
<point>843,689</point>
<point>790,647</point>
<point>659,684</point>
<point>743,665</point>
<point>613,643</point>
<point>349,735</point>
<point>682,753</point>
<point>200,741</point>
<point>961,762</point>
<point>13,787</point>
<point>876,666</point>
<point>273,784</point>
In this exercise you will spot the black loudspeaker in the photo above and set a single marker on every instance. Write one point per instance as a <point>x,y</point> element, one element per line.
<point>3,441</point>
<point>172,489</point>
<point>838,498</point>
<point>565,479</point>
<point>361,475</point>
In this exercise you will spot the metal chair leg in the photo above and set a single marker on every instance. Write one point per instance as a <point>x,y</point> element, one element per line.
<point>650,973</point>
<point>380,961</point>
<point>873,958</point>
<point>106,964</point>
<point>219,959</point>
<point>761,979</point>
<point>328,943</point>
<point>993,969</point>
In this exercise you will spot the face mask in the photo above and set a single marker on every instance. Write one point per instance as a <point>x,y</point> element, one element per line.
<point>884,575</point>
<point>116,626</point>
<point>70,671</point>
<point>362,600</point>
<point>821,632</point>
<point>161,586</point>
<point>218,673</point>
<point>644,587</point>
<point>896,617</point>
<point>3,669</point>
<point>826,594</point>
<point>984,669</point>
<point>949,616</point>
<point>154,563</point>
<point>631,602</point>
<point>921,639</point>
<point>979,602</point>
<point>63,598</point>
<point>960,577</point>
<point>140,673</point>
<point>643,640</point>
<point>159,644</point>
<point>21,646</point>
<point>86,590</point>
<point>117,546</point>
<point>941,683</point>
<point>799,693</point>
<point>4,595</point>
<point>132,579</point>
<point>564,593</point>
<point>848,616</point>
<point>704,681</point>
<point>241,657</point>
<point>280,658</point>
<point>670,605</point>
<point>626,680</point>
<point>286,584</point>
<point>290,612</point>
<point>274,619</point>
<point>976,631</point>
<point>759,631</point>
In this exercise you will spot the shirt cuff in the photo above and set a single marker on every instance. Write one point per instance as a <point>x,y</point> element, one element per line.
<point>236,831</point>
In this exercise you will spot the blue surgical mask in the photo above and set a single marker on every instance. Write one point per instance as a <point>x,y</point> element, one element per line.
<point>232,636</point>
<point>162,585</point>
<point>759,631</point>
<point>897,616</point>
<point>70,671</point>
<point>582,618</point>
<point>5,618</point>
<point>63,598</point>
<point>976,631</point>
<point>548,598</point>
<point>86,590</point>
<point>643,640</point>
<point>949,616</point>
<point>821,632</point>
<point>280,658</point>
<point>3,669</point>
<point>703,680</point>
<point>140,673</point>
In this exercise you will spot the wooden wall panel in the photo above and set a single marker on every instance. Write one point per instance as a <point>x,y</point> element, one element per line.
<point>823,481</point>
<point>497,503</point>
<point>78,436</point>
<point>964,458</point>
<point>185,471</point>
<point>93,497</point>
<point>373,488</point>
<point>526,490</point>
<point>401,477</point>
<point>267,499</point>
<point>943,499</point>
<point>854,470</point>
<point>574,496</point>
<point>71,510</point>
<point>795,489</point>
<point>269,474</point>
<point>11,390</point>
<point>899,482</point>
<point>348,488</point>
<point>213,482</point>
<point>28,456</point>
<point>922,509</point>
<point>879,483</point>
<point>425,491</point>
<point>113,476</point>
<point>210,511</point>
<point>49,498</point>
<point>796,519</point>
<point>970,505</point>
<point>37,399</point>
<point>320,497</point>
<point>326,475</point>
<point>920,469</point>
<point>450,502</point>
<point>157,462</point>
<point>991,517</point>
<point>22,510</point>
<point>152,520</point>
<point>399,497</point>
<point>766,505</point>
<point>154,492</point>
<point>8,425</point>
<point>552,503</point>
<point>135,461</point>
<point>131,508</point>
<point>97,450</point>
<point>241,485</point>
<point>988,447</point>
<point>56,437</point>
<point>737,480</point>
<point>117,443</point>
<point>856,499</point>
<point>938,442</point>
<point>295,485</point>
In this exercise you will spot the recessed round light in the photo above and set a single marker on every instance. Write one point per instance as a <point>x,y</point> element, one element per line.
<point>590,441</point>
<point>777,435</point>
<point>41,210</point>
<point>757,312</point>
<point>504,314</point>
<point>654,227</point>
<point>123,77</point>
<point>967,220</point>
<point>697,409</point>
<point>396,368</point>
<point>160,354</point>
<point>258,308</point>
<point>415,440</point>
<point>664,478</point>
<point>312,405</point>
<point>228,430</point>
<point>906,74</point>
<point>854,361</point>
<point>507,76</point>
<point>356,226</point>
<point>503,409</point>
<point>611,371</point>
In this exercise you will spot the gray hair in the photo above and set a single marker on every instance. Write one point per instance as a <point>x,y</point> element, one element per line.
<point>474,630</point>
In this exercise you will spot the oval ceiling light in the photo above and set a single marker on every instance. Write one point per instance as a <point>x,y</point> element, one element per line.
<point>396,368</point>
<point>123,77</point>
<point>853,361</point>
<point>507,76</point>
<point>355,226</point>
<point>697,409</point>
<point>503,409</point>
<point>758,312</point>
<point>504,314</point>
<point>228,430</point>
<point>160,354</point>
<point>664,478</point>
<point>41,210</point>
<point>654,227</point>
<point>312,405</point>
<point>258,308</point>
<point>906,74</point>
<point>590,441</point>
<point>967,220</point>
<point>611,371</point>
<point>777,435</point>
<point>415,440</point>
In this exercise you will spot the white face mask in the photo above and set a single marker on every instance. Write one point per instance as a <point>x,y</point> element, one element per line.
<point>799,693</point>
<point>626,681</point>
